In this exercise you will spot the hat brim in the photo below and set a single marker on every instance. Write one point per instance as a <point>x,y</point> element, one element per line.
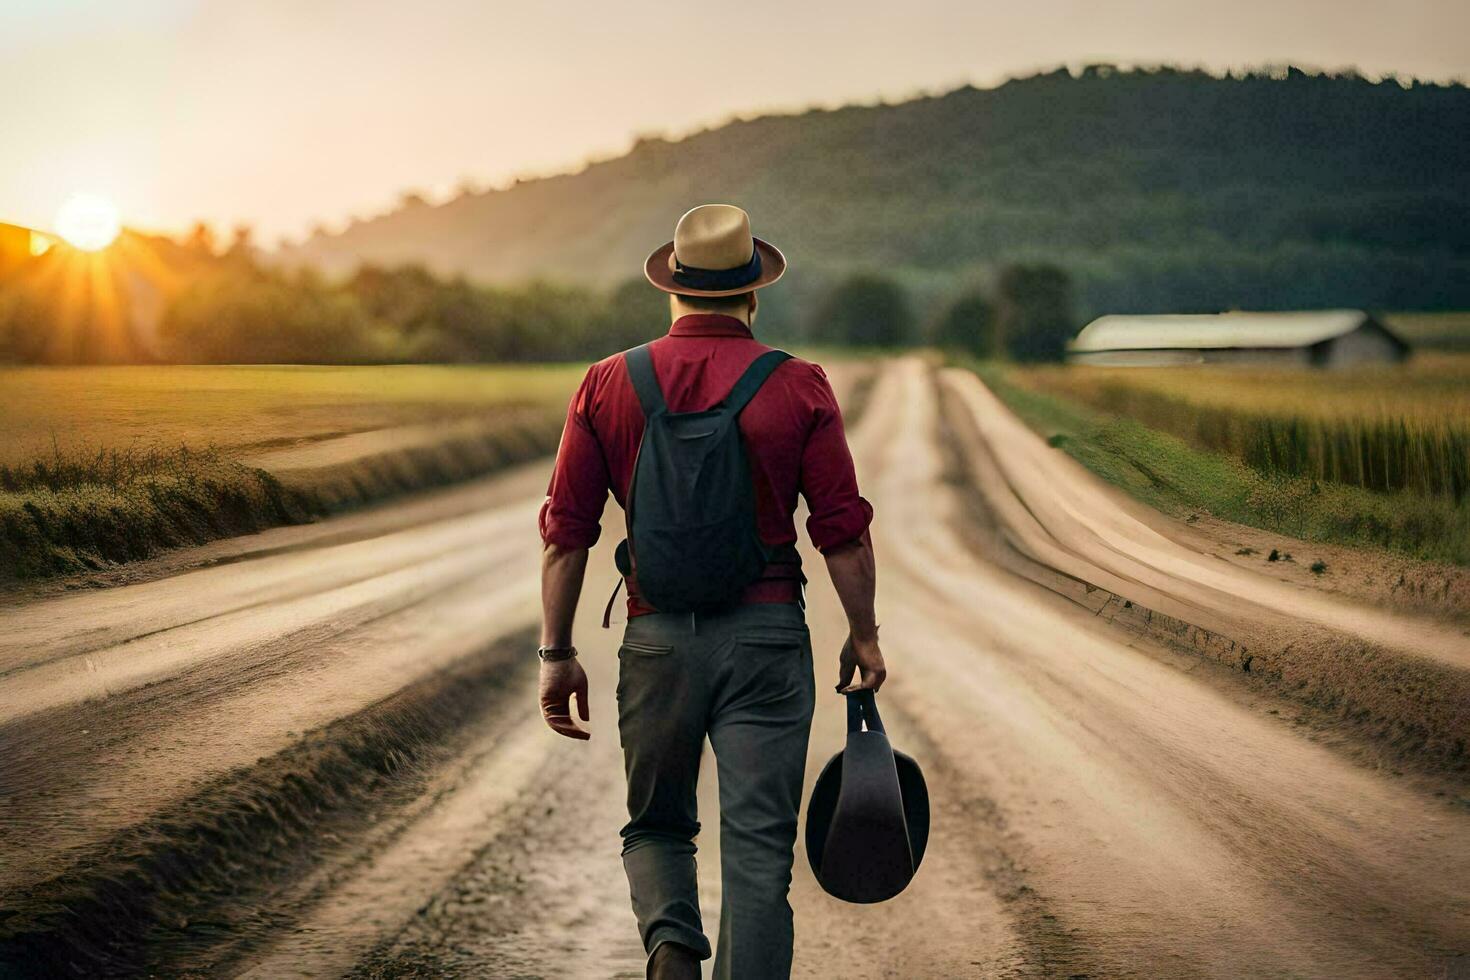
<point>773,267</point>
<point>852,872</point>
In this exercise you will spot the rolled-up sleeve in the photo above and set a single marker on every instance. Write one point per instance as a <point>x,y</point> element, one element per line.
<point>571,516</point>
<point>838,514</point>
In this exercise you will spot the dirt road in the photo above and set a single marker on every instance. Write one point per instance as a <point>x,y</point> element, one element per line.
<point>319,755</point>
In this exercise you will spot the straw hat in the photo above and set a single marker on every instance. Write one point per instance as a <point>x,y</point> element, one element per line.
<point>714,254</point>
<point>867,823</point>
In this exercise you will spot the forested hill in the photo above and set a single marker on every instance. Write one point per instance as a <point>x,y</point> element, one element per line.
<point>1156,190</point>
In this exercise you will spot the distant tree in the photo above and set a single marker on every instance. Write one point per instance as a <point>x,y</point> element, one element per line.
<point>1034,311</point>
<point>257,317</point>
<point>865,310</point>
<point>967,325</point>
<point>634,313</point>
<point>28,327</point>
<point>242,245</point>
<point>200,239</point>
<point>402,295</point>
<point>410,301</point>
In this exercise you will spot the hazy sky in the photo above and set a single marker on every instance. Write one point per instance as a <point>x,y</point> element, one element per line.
<point>283,112</point>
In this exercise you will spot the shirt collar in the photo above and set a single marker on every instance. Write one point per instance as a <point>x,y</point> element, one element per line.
<point>708,325</point>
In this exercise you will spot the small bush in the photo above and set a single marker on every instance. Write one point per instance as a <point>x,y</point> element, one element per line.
<point>1034,311</point>
<point>865,310</point>
<point>969,326</point>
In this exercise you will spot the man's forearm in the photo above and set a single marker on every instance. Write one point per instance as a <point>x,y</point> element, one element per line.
<point>855,577</point>
<point>562,570</point>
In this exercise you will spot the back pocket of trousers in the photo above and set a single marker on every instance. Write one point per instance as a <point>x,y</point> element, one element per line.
<point>639,649</point>
<point>773,640</point>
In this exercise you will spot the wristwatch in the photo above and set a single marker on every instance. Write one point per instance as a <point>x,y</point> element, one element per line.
<point>552,654</point>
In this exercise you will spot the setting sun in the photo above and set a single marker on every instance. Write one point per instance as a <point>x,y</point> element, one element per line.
<point>88,222</point>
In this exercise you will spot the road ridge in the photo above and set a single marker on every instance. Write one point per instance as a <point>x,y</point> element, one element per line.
<point>129,904</point>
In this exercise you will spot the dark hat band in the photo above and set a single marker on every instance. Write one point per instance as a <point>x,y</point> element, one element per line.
<point>711,280</point>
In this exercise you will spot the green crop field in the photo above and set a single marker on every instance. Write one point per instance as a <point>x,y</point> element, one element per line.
<point>1368,457</point>
<point>110,464</point>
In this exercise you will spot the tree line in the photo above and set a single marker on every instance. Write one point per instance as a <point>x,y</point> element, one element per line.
<point>1026,315</point>
<point>231,309</point>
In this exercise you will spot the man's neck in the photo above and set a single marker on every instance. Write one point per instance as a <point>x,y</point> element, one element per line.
<point>689,309</point>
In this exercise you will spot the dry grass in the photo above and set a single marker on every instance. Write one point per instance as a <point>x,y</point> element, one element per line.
<point>1433,331</point>
<point>106,465</point>
<point>76,512</point>
<point>236,408</point>
<point>1382,429</point>
<point>1168,473</point>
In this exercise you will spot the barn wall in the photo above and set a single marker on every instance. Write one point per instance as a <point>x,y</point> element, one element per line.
<point>1136,358</point>
<point>1362,346</point>
<point>1261,356</point>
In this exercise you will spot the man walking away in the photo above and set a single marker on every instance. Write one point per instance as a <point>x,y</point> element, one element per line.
<point>705,437</point>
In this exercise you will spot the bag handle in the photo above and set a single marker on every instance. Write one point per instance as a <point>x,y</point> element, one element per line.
<point>607,611</point>
<point>862,706</point>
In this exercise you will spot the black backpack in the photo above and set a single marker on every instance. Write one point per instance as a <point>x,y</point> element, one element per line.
<point>692,532</point>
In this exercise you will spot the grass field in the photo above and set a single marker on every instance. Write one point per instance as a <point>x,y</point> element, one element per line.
<point>1380,428</point>
<point>1180,441</point>
<point>1433,331</point>
<point>233,408</point>
<point>106,465</point>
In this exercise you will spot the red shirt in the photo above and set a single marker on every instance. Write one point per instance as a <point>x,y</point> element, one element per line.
<point>792,430</point>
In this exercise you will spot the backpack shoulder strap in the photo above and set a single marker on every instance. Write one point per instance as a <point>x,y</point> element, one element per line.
<point>640,371</point>
<point>750,382</point>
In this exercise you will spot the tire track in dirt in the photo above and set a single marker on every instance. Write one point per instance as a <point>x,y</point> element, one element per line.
<point>210,873</point>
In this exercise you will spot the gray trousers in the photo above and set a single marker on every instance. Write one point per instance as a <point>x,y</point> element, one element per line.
<point>744,679</point>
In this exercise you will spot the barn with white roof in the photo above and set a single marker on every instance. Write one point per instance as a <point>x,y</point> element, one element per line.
<point>1324,338</point>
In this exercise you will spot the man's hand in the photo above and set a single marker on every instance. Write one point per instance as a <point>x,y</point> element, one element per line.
<point>864,657</point>
<point>561,680</point>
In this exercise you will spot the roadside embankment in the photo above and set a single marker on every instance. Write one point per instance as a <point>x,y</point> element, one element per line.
<point>82,512</point>
<point>101,466</point>
<point>1400,680</point>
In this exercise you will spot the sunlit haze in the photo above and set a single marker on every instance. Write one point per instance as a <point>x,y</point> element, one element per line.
<point>281,114</point>
<point>88,221</point>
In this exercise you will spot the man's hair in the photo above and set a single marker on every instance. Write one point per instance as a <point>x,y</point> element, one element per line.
<point>718,304</point>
